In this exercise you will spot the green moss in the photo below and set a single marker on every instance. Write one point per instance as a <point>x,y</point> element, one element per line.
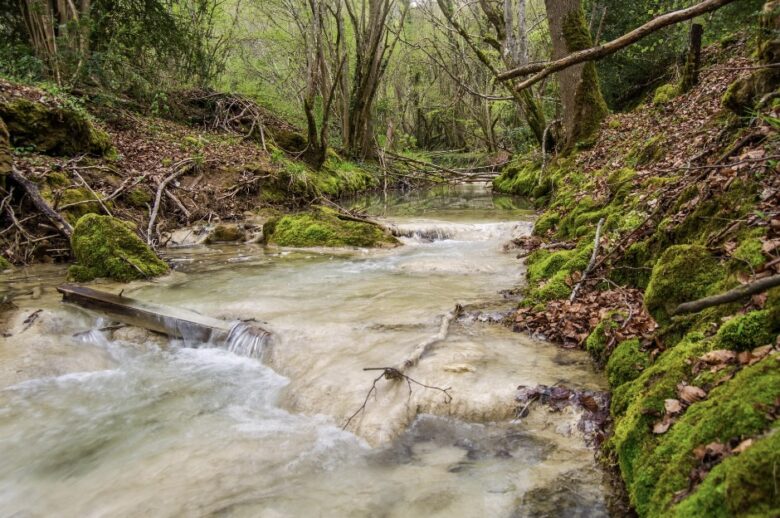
<point>749,252</point>
<point>557,287</point>
<point>53,130</point>
<point>518,178</point>
<point>682,273</point>
<point>4,263</point>
<point>647,152</point>
<point>81,202</point>
<point>744,399</point>
<point>543,264</point>
<point>596,343</point>
<point>336,178</point>
<point>108,247</point>
<point>57,179</point>
<point>626,363</point>
<point>620,181</point>
<point>637,404</point>
<point>746,332</point>
<point>138,198</point>
<point>546,222</point>
<point>589,103</point>
<point>742,485</point>
<point>322,228</point>
<point>665,93</point>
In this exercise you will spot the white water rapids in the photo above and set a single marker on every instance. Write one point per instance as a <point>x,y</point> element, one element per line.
<point>120,422</point>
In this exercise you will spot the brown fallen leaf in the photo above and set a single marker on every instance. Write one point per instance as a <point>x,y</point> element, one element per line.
<point>718,356</point>
<point>673,406</point>
<point>662,426</point>
<point>690,394</point>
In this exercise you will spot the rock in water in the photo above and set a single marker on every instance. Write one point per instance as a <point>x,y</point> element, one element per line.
<point>108,247</point>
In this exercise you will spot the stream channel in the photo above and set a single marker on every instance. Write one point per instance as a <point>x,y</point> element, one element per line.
<point>124,423</point>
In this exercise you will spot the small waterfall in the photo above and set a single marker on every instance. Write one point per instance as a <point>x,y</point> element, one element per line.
<point>429,231</point>
<point>246,340</point>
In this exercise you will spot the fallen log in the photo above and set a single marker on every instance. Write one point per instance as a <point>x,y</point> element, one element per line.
<point>734,295</point>
<point>174,322</point>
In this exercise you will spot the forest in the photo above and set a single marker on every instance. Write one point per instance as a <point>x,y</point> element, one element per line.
<point>390,257</point>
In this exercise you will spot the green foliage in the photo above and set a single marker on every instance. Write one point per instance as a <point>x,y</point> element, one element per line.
<point>4,263</point>
<point>108,247</point>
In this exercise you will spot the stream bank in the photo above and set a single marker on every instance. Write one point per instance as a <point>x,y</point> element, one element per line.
<point>680,199</point>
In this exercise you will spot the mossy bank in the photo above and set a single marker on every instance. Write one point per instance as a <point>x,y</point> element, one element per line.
<point>694,396</point>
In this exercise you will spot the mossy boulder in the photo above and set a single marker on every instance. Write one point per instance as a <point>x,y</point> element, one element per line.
<point>324,228</point>
<point>682,273</point>
<point>626,362</point>
<point>78,202</point>
<point>52,130</point>
<point>597,342</point>
<point>108,247</point>
<point>746,332</point>
<point>665,93</point>
<point>226,234</point>
<point>737,409</point>
<point>741,485</point>
<point>138,198</point>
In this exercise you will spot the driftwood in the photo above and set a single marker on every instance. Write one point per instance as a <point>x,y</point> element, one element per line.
<point>544,69</point>
<point>179,169</point>
<point>425,346</point>
<point>62,226</point>
<point>590,263</point>
<point>734,295</point>
<point>174,322</point>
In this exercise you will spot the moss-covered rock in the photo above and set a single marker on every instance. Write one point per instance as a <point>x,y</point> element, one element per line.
<point>108,247</point>
<point>665,93</point>
<point>682,273</point>
<point>750,254</point>
<point>746,332</point>
<point>138,197</point>
<point>597,342</point>
<point>78,202</point>
<point>52,130</point>
<point>226,234</point>
<point>741,485</point>
<point>546,222</point>
<point>324,228</point>
<point>4,263</point>
<point>736,409</point>
<point>626,362</point>
<point>518,178</point>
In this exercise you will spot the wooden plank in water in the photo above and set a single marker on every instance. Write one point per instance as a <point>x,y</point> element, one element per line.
<point>174,322</point>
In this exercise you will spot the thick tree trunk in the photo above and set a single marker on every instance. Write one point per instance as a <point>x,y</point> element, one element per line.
<point>583,107</point>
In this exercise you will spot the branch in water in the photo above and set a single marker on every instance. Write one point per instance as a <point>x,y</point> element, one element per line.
<point>391,373</point>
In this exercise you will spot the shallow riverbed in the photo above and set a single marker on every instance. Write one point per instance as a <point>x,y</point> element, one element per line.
<point>124,424</point>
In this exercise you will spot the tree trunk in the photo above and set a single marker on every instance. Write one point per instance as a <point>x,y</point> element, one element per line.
<point>693,61</point>
<point>583,107</point>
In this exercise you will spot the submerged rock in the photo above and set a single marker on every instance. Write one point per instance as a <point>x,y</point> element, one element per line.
<point>108,247</point>
<point>324,228</point>
<point>226,234</point>
<point>52,130</point>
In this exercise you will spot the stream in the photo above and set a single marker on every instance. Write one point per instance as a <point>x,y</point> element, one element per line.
<point>124,423</point>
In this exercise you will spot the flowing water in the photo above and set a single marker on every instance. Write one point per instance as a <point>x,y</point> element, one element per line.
<point>97,421</point>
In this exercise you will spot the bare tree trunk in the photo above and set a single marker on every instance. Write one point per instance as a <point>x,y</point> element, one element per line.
<point>693,61</point>
<point>583,107</point>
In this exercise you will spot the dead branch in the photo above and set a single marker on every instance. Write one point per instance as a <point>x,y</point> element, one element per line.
<point>734,295</point>
<point>94,194</point>
<point>31,189</point>
<point>543,69</point>
<point>393,374</point>
<point>179,169</point>
<point>425,346</point>
<point>590,263</point>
